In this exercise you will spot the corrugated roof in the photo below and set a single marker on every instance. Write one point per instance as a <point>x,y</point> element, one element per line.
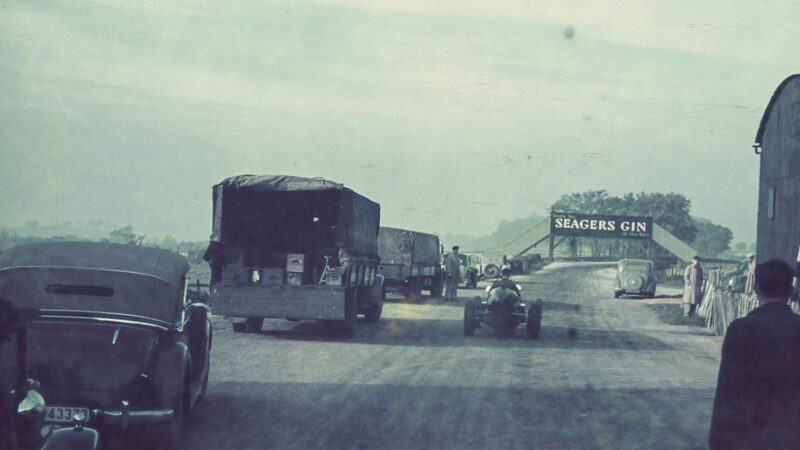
<point>763,125</point>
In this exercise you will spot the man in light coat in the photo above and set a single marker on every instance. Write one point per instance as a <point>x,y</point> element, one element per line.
<point>757,403</point>
<point>693,287</point>
<point>452,269</point>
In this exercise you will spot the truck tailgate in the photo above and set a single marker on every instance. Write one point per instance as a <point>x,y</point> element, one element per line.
<point>313,302</point>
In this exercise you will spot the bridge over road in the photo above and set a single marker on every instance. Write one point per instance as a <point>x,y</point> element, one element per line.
<point>624,227</point>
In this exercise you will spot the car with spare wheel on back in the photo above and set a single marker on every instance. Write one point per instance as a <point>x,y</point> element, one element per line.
<point>635,277</point>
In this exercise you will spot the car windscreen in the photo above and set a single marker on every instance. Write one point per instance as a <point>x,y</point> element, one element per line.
<point>635,267</point>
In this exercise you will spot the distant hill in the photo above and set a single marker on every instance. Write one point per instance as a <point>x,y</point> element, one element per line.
<point>506,231</point>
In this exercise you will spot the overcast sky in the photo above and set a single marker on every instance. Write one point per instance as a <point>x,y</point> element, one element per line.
<point>453,115</point>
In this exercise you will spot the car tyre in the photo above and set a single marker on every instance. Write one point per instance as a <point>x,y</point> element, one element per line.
<point>470,317</point>
<point>617,294</point>
<point>253,324</point>
<point>204,381</point>
<point>534,324</point>
<point>373,314</point>
<point>491,271</point>
<point>169,439</point>
<point>347,327</point>
<point>416,289</point>
<point>238,327</point>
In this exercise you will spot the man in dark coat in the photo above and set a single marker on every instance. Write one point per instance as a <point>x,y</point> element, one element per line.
<point>757,404</point>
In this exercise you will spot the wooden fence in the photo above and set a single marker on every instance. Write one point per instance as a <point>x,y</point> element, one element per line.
<point>719,307</point>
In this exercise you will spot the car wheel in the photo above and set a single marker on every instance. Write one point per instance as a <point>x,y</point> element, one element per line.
<point>347,327</point>
<point>204,381</point>
<point>416,289</point>
<point>470,317</point>
<point>491,271</point>
<point>373,314</point>
<point>253,324</point>
<point>168,440</point>
<point>534,324</point>
<point>617,294</point>
<point>238,327</point>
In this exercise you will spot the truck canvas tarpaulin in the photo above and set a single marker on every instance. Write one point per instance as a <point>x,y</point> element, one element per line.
<point>396,246</point>
<point>410,261</point>
<point>269,217</point>
<point>295,248</point>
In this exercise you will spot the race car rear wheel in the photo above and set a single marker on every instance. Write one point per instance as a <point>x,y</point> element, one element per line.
<point>470,318</point>
<point>534,324</point>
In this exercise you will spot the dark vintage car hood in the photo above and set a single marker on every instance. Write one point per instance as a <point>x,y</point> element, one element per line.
<point>85,363</point>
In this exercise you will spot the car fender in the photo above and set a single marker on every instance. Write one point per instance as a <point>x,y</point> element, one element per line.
<point>174,360</point>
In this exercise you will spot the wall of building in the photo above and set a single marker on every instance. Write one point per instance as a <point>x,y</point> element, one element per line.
<point>779,187</point>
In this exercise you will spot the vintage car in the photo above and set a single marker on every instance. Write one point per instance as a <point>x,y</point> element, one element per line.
<point>635,277</point>
<point>116,340</point>
<point>468,268</point>
<point>503,310</point>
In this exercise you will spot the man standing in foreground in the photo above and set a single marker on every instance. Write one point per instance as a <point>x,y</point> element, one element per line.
<point>693,287</point>
<point>452,268</point>
<point>757,404</point>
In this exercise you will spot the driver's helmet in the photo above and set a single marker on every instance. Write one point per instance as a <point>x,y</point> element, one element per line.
<point>503,299</point>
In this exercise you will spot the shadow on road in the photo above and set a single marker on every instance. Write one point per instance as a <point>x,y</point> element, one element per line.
<point>256,415</point>
<point>449,333</point>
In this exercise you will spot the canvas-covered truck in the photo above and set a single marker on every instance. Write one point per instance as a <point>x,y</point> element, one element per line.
<point>294,248</point>
<point>410,262</point>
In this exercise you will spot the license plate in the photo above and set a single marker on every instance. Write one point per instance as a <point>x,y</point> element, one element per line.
<point>64,413</point>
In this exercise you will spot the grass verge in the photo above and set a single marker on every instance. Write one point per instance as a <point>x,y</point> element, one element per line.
<point>672,314</point>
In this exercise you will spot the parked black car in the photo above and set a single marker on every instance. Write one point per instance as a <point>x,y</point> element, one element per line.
<point>116,339</point>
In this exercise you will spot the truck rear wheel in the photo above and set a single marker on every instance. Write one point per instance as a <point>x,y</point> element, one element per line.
<point>253,324</point>
<point>348,325</point>
<point>373,314</point>
<point>415,288</point>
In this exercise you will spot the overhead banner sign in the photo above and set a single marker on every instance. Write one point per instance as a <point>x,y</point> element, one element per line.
<point>601,226</point>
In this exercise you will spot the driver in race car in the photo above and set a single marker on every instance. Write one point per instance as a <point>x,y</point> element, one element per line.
<point>505,282</point>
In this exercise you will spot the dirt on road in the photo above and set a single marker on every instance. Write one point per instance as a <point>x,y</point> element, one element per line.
<point>605,373</point>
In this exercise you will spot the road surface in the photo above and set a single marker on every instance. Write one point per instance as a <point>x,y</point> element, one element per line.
<point>606,373</point>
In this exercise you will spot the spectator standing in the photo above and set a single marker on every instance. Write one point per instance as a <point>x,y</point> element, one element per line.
<point>757,403</point>
<point>693,287</point>
<point>452,268</point>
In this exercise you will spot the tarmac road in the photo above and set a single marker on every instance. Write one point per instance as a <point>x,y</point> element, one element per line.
<point>606,373</point>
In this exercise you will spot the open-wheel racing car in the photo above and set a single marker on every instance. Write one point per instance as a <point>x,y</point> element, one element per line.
<point>503,310</point>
